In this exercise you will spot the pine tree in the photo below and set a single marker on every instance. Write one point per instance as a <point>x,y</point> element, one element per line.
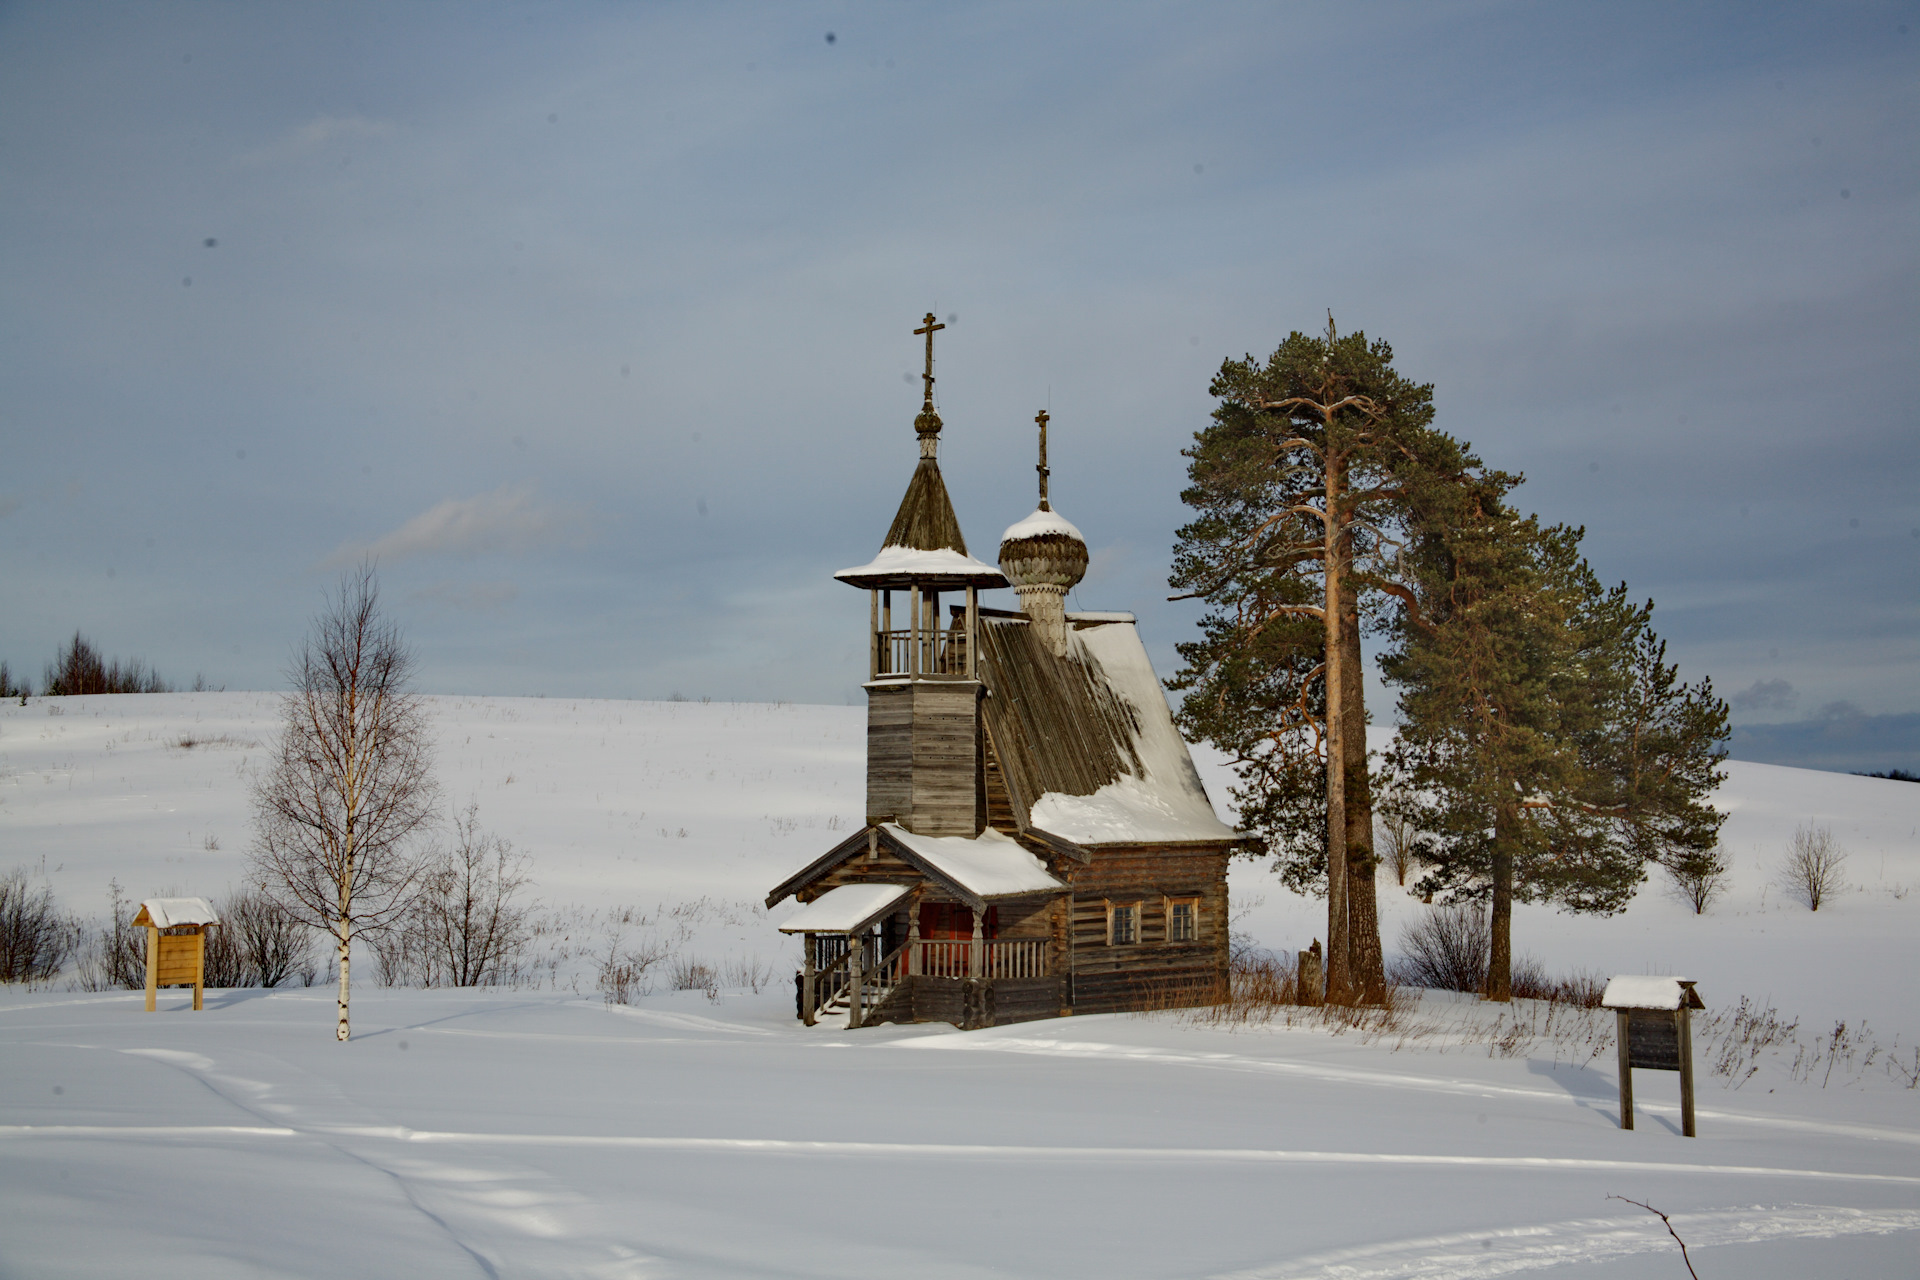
<point>1547,751</point>
<point>1300,482</point>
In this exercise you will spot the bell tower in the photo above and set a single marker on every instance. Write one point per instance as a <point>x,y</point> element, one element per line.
<point>924,746</point>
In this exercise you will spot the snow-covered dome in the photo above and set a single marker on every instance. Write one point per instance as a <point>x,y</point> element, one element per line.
<point>1043,550</point>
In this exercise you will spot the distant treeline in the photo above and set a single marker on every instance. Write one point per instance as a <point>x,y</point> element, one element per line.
<point>79,668</point>
<point>1897,775</point>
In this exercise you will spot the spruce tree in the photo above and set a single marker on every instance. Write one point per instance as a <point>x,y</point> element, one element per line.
<point>1300,484</point>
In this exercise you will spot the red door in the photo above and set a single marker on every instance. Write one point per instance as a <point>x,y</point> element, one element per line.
<point>951,925</point>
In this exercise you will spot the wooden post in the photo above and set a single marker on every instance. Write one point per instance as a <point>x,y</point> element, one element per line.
<point>810,979</point>
<point>1308,977</point>
<point>856,981</point>
<point>153,966</point>
<point>886,627</point>
<point>977,957</point>
<point>973,630</point>
<point>932,613</point>
<point>913,937</point>
<point>199,964</point>
<point>1683,1027</point>
<point>913,632</point>
<point>873,626</point>
<point>1622,1024</point>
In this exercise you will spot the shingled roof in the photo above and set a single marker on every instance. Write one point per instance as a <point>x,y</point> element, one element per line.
<point>925,520</point>
<point>1085,742</point>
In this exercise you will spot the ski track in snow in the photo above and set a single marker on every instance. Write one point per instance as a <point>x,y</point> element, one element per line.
<point>510,1220</point>
<point>1479,1255</point>
<point>989,1043</point>
<point>961,1151</point>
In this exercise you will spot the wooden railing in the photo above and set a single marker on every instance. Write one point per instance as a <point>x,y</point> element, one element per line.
<point>945,959</point>
<point>922,653</point>
<point>827,985</point>
<point>1017,958</point>
<point>1002,958</point>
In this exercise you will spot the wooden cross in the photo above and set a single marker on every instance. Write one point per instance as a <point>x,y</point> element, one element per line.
<point>930,328</point>
<point>1041,418</point>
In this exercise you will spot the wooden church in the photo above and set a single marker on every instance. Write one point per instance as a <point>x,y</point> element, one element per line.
<point>1037,840</point>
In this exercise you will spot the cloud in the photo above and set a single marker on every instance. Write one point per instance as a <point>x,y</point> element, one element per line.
<point>510,520</point>
<point>1765,695</point>
<point>1839,736</point>
<point>317,133</point>
<point>8,505</point>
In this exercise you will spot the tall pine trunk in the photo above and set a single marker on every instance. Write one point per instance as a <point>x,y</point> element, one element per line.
<point>1368,965</point>
<point>1334,614</point>
<point>1500,950</point>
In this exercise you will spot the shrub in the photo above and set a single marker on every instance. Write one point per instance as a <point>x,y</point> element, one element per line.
<point>1396,843</point>
<point>1697,876</point>
<point>257,943</point>
<point>1810,873</point>
<point>115,956</point>
<point>1580,988</point>
<point>8,689</point>
<point>35,939</point>
<point>623,971</point>
<point>1446,949</point>
<point>79,668</point>
<point>465,926</point>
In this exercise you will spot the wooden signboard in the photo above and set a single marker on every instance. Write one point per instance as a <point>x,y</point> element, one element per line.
<point>1654,1029</point>
<point>178,957</point>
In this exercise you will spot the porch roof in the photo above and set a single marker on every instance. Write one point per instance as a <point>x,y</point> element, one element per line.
<point>989,865</point>
<point>847,909</point>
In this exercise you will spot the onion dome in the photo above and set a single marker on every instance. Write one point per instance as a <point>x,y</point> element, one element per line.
<point>1044,557</point>
<point>1043,550</point>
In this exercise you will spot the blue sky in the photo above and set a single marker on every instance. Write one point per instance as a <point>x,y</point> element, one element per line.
<point>592,321</point>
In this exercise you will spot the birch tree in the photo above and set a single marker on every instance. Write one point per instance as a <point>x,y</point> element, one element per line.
<point>350,782</point>
<point>1300,485</point>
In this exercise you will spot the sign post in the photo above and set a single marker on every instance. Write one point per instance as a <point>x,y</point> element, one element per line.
<point>178,958</point>
<point>1654,1025</point>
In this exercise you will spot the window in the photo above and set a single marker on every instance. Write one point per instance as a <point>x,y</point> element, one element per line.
<point>1123,923</point>
<point>1183,919</point>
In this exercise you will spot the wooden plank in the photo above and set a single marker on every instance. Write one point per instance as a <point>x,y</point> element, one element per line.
<point>1625,1038</point>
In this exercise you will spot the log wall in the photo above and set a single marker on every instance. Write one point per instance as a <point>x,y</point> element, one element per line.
<point>924,756</point>
<point>1150,972</point>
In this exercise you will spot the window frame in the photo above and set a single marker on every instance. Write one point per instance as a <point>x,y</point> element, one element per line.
<point>1114,908</point>
<point>1192,903</point>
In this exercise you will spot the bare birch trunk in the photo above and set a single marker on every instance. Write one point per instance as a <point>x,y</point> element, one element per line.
<point>1339,947</point>
<point>343,939</point>
<point>1363,918</point>
<point>1500,950</point>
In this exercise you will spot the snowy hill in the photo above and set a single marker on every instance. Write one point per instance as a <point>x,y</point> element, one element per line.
<point>540,1131</point>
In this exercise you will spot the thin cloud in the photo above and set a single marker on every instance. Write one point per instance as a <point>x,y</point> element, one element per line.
<point>509,520</point>
<point>1766,695</point>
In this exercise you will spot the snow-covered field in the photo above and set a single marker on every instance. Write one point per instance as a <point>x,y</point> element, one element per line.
<point>538,1130</point>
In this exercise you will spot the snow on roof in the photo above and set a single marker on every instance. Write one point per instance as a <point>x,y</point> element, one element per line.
<point>989,864</point>
<point>1095,615</point>
<point>1166,801</point>
<point>845,909</point>
<point>1041,522</point>
<point>1637,991</point>
<point>166,913</point>
<point>899,563</point>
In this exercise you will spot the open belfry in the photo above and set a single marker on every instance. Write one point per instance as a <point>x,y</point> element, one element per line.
<point>1037,840</point>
